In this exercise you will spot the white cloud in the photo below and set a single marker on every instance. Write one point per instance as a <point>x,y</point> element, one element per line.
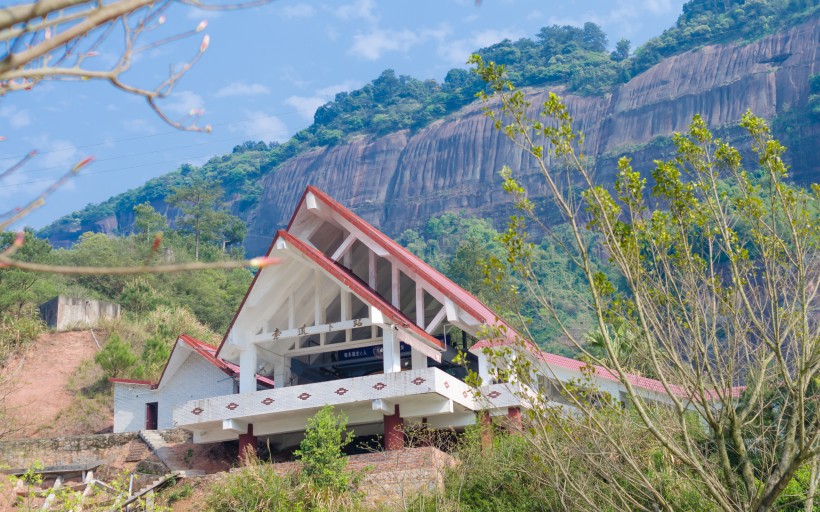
<point>55,157</point>
<point>58,153</point>
<point>373,44</point>
<point>16,117</point>
<point>456,52</point>
<point>202,14</point>
<point>658,6</point>
<point>360,9</point>
<point>306,105</point>
<point>139,126</point>
<point>259,126</point>
<point>331,90</point>
<point>241,89</point>
<point>183,102</point>
<point>298,11</point>
<point>535,15</point>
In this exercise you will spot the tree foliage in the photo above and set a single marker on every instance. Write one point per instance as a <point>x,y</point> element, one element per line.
<point>203,215</point>
<point>720,295</point>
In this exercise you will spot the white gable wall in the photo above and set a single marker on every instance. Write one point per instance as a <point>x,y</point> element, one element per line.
<point>196,378</point>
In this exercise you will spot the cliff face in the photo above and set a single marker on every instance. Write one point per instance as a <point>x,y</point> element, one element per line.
<point>400,180</point>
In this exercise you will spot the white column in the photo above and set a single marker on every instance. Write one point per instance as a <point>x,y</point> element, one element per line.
<point>392,351</point>
<point>484,369</point>
<point>281,371</point>
<point>419,360</point>
<point>419,305</point>
<point>247,369</point>
<point>395,285</point>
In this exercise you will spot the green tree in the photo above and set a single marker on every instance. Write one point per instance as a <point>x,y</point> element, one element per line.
<point>712,305</point>
<point>622,49</point>
<point>321,452</point>
<point>202,212</point>
<point>117,359</point>
<point>148,221</point>
<point>19,288</point>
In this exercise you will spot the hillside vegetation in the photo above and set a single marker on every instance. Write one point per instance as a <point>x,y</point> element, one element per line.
<point>577,58</point>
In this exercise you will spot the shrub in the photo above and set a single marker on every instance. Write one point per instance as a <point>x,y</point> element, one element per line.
<point>116,358</point>
<point>16,332</point>
<point>323,461</point>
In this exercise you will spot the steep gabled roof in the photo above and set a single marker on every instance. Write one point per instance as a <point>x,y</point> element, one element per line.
<point>203,350</point>
<point>461,297</point>
<point>358,287</point>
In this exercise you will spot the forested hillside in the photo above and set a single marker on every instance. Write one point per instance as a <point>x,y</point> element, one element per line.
<point>574,60</point>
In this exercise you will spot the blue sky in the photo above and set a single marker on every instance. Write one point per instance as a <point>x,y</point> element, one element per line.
<point>262,77</point>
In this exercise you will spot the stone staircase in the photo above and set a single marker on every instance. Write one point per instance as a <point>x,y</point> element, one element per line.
<point>173,455</point>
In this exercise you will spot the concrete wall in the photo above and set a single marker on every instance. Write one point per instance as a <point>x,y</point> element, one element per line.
<point>58,451</point>
<point>63,313</point>
<point>395,478</point>
<point>196,378</point>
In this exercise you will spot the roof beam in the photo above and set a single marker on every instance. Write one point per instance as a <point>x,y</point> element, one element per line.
<point>350,228</point>
<point>347,243</point>
<point>436,321</point>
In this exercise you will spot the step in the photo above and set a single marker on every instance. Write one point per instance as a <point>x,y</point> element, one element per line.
<point>137,451</point>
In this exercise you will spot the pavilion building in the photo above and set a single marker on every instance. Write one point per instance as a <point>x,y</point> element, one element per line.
<point>348,318</point>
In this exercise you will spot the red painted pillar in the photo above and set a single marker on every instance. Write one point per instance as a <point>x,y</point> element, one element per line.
<point>247,442</point>
<point>394,431</point>
<point>486,430</point>
<point>514,416</point>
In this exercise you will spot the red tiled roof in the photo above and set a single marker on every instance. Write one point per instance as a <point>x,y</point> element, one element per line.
<point>359,288</point>
<point>557,361</point>
<point>131,381</point>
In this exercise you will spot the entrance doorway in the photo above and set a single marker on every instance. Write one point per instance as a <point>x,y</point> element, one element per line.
<point>151,416</point>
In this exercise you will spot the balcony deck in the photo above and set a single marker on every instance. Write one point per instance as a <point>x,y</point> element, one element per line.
<point>428,393</point>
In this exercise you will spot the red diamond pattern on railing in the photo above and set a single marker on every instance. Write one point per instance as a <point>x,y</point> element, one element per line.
<point>197,411</point>
<point>379,386</point>
<point>418,381</point>
<point>231,406</point>
<point>268,401</point>
<point>446,385</point>
<point>493,394</point>
<point>304,396</point>
<point>340,391</point>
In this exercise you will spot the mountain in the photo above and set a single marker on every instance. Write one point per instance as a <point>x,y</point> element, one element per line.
<point>400,150</point>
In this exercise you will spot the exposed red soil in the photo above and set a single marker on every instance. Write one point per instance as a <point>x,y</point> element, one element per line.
<point>39,378</point>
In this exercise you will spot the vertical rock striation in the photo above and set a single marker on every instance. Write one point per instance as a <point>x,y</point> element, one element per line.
<point>400,180</point>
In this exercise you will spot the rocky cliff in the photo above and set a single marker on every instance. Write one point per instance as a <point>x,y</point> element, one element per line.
<point>400,180</point>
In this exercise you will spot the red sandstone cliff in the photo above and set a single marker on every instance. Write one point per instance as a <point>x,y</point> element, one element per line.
<point>400,180</point>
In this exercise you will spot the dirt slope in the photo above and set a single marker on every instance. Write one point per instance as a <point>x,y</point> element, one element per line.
<point>46,386</point>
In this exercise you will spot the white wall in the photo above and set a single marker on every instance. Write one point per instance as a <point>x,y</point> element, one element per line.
<point>195,378</point>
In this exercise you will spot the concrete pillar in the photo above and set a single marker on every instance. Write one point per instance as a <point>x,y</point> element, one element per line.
<point>514,417</point>
<point>486,430</point>
<point>247,443</point>
<point>484,369</point>
<point>419,360</point>
<point>281,371</point>
<point>394,431</point>
<point>392,350</point>
<point>247,369</point>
